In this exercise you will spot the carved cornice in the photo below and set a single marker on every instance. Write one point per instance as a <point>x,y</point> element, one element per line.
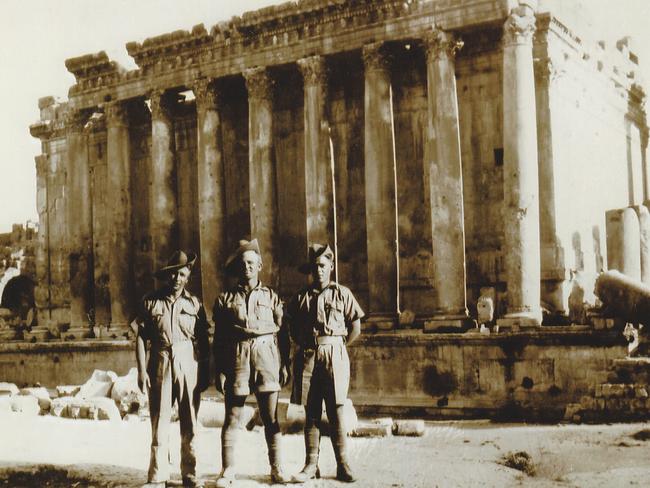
<point>96,123</point>
<point>258,83</point>
<point>206,94</point>
<point>93,71</point>
<point>438,43</point>
<point>314,70</point>
<point>519,27</point>
<point>117,114</point>
<point>41,130</point>
<point>75,120</point>
<point>374,57</point>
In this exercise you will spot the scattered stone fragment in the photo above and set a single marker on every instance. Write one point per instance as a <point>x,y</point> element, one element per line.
<point>24,404</point>
<point>388,421</point>
<point>212,414</point>
<point>99,408</point>
<point>8,389</point>
<point>41,394</point>
<point>67,390</point>
<point>521,461</point>
<point>571,410</point>
<point>126,394</point>
<point>414,428</point>
<point>98,385</point>
<point>640,392</point>
<point>371,429</point>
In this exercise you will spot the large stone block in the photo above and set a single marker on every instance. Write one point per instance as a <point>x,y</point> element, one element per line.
<point>8,389</point>
<point>126,393</point>
<point>412,428</point>
<point>212,414</point>
<point>41,394</point>
<point>98,385</point>
<point>25,404</point>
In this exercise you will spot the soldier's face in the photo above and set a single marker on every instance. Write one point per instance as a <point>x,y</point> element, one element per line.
<point>322,269</point>
<point>251,265</point>
<point>178,278</point>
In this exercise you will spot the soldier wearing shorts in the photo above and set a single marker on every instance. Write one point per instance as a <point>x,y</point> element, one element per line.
<point>173,322</point>
<point>251,352</point>
<point>323,317</point>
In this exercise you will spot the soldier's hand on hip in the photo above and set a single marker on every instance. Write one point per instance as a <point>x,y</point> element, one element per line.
<point>285,375</point>
<point>144,383</point>
<point>219,382</point>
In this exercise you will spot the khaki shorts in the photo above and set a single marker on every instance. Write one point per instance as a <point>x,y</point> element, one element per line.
<point>253,365</point>
<point>324,371</point>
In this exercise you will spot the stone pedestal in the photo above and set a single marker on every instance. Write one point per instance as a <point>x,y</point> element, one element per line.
<point>623,242</point>
<point>119,214</point>
<point>381,191</point>
<point>211,191</point>
<point>443,171</point>
<point>80,221</point>
<point>318,163</point>
<point>521,246</point>
<point>262,176</point>
<point>163,208</point>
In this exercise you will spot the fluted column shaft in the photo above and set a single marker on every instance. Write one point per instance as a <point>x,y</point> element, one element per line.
<point>521,247</point>
<point>262,175</point>
<point>119,212</point>
<point>163,198</point>
<point>381,190</point>
<point>212,227</point>
<point>80,222</point>
<point>318,164</point>
<point>443,167</point>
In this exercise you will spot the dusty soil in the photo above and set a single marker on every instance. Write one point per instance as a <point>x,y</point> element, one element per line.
<point>55,452</point>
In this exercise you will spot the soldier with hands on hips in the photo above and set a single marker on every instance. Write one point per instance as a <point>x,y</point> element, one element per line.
<point>323,318</point>
<point>172,322</point>
<point>251,353</point>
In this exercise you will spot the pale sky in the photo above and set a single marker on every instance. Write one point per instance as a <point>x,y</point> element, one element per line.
<point>37,36</point>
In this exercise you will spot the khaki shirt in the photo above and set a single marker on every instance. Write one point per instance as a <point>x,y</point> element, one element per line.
<point>165,321</point>
<point>313,313</point>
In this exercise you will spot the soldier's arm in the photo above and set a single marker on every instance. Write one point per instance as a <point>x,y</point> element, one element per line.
<point>202,336</point>
<point>139,325</point>
<point>218,341</point>
<point>354,331</point>
<point>353,316</point>
<point>283,330</point>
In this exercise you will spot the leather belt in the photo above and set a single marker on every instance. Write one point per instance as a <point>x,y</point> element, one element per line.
<point>326,340</point>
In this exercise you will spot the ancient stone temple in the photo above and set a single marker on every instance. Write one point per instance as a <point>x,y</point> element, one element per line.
<point>451,149</point>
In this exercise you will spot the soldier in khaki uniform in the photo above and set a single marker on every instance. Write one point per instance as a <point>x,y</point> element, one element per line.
<point>323,317</point>
<point>251,352</point>
<point>173,322</point>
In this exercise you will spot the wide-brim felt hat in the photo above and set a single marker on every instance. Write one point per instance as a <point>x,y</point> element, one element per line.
<point>244,246</point>
<point>315,251</point>
<point>178,260</point>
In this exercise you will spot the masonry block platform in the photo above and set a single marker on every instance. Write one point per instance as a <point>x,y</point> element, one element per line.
<point>531,375</point>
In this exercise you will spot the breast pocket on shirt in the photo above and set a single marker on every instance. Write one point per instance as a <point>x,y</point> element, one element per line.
<point>237,311</point>
<point>263,311</point>
<point>336,319</point>
<point>187,321</point>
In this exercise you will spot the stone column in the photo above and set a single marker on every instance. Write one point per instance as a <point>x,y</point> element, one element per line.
<point>381,190</point>
<point>445,184</point>
<point>212,209</point>
<point>644,241</point>
<point>79,212</point>
<point>521,247</point>
<point>623,241</point>
<point>119,213</point>
<point>319,195</point>
<point>163,209</point>
<point>261,164</point>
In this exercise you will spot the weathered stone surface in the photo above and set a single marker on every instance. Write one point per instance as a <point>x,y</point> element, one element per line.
<point>41,394</point>
<point>25,404</point>
<point>412,428</point>
<point>98,408</point>
<point>98,385</point>
<point>8,389</point>
<point>126,394</point>
<point>212,413</point>
<point>369,429</point>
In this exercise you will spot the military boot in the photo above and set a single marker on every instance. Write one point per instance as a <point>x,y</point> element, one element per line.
<point>339,443</point>
<point>275,460</point>
<point>312,445</point>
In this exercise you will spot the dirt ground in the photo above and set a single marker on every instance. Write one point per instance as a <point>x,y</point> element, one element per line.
<point>56,452</point>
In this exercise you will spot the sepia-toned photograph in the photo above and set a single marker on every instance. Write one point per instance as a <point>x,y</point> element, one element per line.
<point>320,243</point>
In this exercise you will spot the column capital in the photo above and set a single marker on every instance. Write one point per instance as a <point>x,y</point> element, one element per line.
<point>75,120</point>
<point>438,43</point>
<point>160,103</point>
<point>374,57</point>
<point>116,114</point>
<point>313,69</point>
<point>547,70</point>
<point>206,95</point>
<point>258,82</point>
<point>519,27</point>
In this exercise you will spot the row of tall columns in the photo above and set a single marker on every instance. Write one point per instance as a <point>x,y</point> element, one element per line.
<point>442,171</point>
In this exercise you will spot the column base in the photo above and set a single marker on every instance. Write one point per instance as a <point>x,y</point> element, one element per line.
<point>76,333</point>
<point>381,321</point>
<point>520,319</point>
<point>37,334</point>
<point>116,332</point>
<point>448,323</point>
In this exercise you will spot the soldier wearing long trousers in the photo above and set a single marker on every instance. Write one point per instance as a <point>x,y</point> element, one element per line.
<point>251,352</point>
<point>323,317</point>
<point>172,322</point>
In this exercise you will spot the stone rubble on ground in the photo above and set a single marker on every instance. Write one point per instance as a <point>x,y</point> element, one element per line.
<point>412,428</point>
<point>7,389</point>
<point>126,394</point>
